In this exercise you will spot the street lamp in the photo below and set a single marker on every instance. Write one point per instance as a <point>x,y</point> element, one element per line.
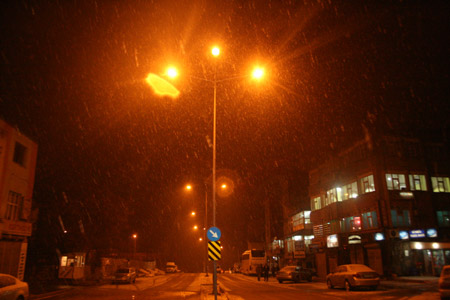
<point>189,188</point>
<point>172,72</point>
<point>257,74</point>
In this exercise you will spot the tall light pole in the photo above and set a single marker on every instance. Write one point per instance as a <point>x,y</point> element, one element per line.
<point>257,74</point>
<point>215,52</point>
<point>205,224</point>
<point>134,250</point>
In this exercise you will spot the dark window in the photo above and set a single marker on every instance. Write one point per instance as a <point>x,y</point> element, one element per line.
<point>258,253</point>
<point>443,218</point>
<point>19,154</point>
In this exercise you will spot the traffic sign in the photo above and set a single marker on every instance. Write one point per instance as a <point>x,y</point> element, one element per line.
<point>214,250</point>
<point>213,234</point>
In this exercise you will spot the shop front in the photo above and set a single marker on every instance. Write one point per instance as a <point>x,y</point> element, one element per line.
<point>419,253</point>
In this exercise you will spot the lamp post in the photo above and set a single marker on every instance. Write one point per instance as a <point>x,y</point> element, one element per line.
<point>257,74</point>
<point>134,250</point>
<point>205,224</point>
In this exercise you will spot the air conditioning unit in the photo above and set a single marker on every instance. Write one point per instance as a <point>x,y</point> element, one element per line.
<point>393,233</point>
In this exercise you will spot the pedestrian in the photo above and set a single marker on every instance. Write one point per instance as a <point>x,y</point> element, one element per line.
<point>273,270</point>
<point>266,272</point>
<point>258,271</point>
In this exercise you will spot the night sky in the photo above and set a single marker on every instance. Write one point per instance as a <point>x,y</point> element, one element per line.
<point>116,156</point>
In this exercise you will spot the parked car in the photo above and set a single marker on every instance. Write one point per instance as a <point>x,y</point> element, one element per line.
<point>12,288</point>
<point>125,275</point>
<point>171,267</point>
<point>294,273</point>
<point>444,282</point>
<point>352,276</point>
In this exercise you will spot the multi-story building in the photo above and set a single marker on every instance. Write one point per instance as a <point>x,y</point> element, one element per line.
<point>297,240</point>
<point>17,168</point>
<point>384,202</point>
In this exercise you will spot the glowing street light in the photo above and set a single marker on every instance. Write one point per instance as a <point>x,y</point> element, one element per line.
<point>189,187</point>
<point>195,227</point>
<point>215,51</point>
<point>134,236</point>
<point>161,86</point>
<point>193,214</point>
<point>258,73</point>
<point>172,72</point>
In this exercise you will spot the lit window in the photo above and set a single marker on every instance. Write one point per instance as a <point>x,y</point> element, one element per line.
<point>417,182</point>
<point>350,224</point>
<point>440,184</point>
<point>395,181</point>
<point>350,191</point>
<point>367,184</point>
<point>331,196</point>
<point>316,203</point>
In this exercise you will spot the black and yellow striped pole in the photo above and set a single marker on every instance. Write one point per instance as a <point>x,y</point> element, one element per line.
<point>214,252</point>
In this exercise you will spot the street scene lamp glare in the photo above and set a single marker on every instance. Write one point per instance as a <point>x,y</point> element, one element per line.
<point>224,186</point>
<point>189,187</point>
<point>195,227</point>
<point>172,72</point>
<point>258,73</point>
<point>193,213</point>
<point>134,236</point>
<point>215,51</point>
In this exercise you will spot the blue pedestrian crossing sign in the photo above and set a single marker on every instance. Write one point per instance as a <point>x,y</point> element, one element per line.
<point>213,234</point>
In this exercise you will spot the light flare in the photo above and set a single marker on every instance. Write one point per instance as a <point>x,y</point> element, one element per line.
<point>161,86</point>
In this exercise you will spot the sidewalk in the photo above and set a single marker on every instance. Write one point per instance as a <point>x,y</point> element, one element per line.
<point>206,288</point>
<point>405,281</point>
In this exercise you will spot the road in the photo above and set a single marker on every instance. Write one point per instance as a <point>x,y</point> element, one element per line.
<point>236,287</point>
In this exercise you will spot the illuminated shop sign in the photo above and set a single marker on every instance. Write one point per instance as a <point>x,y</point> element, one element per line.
<point>379,236</point>
<point>403,234</point>
<point>407,195</point>
<point>431,233</point>
<point>417,233</point>
<point>354,239</point>
<point>332,241</point>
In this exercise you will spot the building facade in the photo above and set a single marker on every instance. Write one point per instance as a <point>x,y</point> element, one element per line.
<point>297,240</point>
<point>17,170</point>
<point>383,202</point>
